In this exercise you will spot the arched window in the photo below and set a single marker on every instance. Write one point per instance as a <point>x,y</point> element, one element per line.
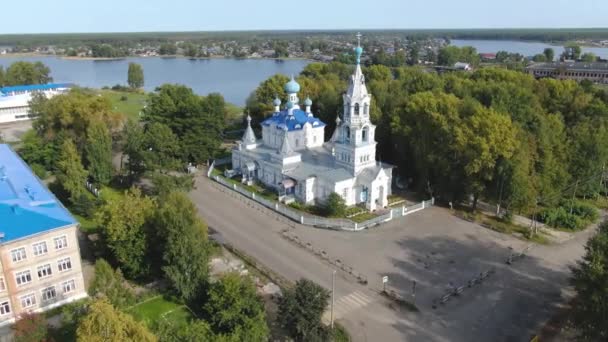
<point>347,133</point>
<point>366,109</point>
<point>365,134</point>
<point>356,109</point>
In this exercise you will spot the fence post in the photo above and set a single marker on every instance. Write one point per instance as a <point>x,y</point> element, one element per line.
<point>422,204</point>
<point>301,219</point>
<point>432,200</point>
<point>253,195</point>
<point>390,217</point>
<point>234,186</point>
<point>356,225</point>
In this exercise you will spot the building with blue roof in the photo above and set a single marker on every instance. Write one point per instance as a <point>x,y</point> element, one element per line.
<point>39,250</point>
<point>293,157</point>
<point>14,100</point>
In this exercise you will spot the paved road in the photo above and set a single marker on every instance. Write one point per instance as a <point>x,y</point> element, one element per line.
<point>510,306</point>
<point>362,311</point>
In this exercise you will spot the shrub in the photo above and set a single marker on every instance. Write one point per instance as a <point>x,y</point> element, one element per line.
<point>124,98</point>
<point>39,170</point>
<point>560,218</point>
<point>335,205</point>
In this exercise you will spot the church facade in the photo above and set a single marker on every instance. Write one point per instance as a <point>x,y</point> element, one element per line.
<point>293,158</point>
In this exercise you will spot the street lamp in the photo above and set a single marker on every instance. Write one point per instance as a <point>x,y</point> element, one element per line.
<point>333,287</point>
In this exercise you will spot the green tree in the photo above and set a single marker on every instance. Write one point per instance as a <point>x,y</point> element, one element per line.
<point>161,148</point>
<point>36,152</point>
<point>590,280</point>
<point>110,284</point>
<point>335,205</point>
<point>135,75</point>
<point>98,152</point>
<point>233,308</point>
<point>31,327</point>
<point>183,236</point>
<point>588,57</point>
<point>124,221</point>
<point>194,331</point>
<point>71,175</point>
<point>21,73</point>
<point>168,49</point>
<point>539,58</point>
<point>104,323</point>
<point>259,103</point>
<point>549,54</point>
<point>301,309</point>
<point>133,141</point>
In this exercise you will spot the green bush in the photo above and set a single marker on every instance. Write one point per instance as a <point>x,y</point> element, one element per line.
<point>39,170</point>
<point>335,205</point>
<point>561,218</point>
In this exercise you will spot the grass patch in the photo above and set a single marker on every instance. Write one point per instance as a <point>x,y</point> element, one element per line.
<point>363,217</point>
<point>513,229</point>
<point>154,309</point>
<point>339,334</point>
<point>127,103</point>
<point>87,225</point>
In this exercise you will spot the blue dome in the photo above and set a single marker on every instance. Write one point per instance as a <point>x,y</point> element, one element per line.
<point>308,102</point>
<point>289,104</point>
<point>359,51</point>
<point>292,87</point>
<point>276,102</point>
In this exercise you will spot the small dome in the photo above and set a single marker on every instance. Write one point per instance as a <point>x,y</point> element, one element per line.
<point>289,105</point>
<point>308,102</point>
<point>292,86</point>
<point>358,51</point>
<point>277,101</point>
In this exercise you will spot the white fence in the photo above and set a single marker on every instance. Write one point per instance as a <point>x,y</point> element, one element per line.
<point>317,221</point>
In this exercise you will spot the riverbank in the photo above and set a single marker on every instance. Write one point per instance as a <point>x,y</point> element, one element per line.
<point>77,58</point>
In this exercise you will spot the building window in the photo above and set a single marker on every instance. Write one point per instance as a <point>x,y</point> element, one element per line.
<point>314,139</point>
<point>64,264</point>
<point>61,242</point>
<point>365,109</point>
<point>28,300</point>
<point>44,271</point>
<point>356,109</point>
<point>49,293</point>
<point>2,284</point>
<point>364,134</point>
<point>347,133</point>
<point>23,277</point>
<point>5,308</point>
<point>40,248</point>
<point>18,254</point>
<point>69,286</point>
<point>297,142</point>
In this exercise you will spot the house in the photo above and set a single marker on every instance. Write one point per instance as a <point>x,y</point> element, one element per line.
<point>293,158</point>
<point>40,266</point>
<point>462,66</point>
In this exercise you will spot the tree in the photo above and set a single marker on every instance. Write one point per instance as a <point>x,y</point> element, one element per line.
<point>104,323</point>
<point>588,57</point>
<point>571,51</point>
<point>301,309</point>
<point>194,331</point>
<point>233,308</point>
<point>30,327</point>
<point>161,148</point>
<point>98,152</point>
<point>539,58</point>
<point>110,284</point>
<point>590,280</point>
<point>22,73</point>
<point>549,54</point>
<point>167,49</point>
<point>133,146</point>
<point>124,221</point>
<point>185,253</point>
<point>335,205</point>
<point>71,175</point>
<point>135,77</point>
<point>259,102</point>
<point>36,152</point>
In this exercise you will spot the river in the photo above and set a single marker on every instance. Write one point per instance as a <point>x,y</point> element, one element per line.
<point>235,79</point>
<point>525,48</point>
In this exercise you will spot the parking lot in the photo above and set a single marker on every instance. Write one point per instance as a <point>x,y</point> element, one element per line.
<point>13,131</point>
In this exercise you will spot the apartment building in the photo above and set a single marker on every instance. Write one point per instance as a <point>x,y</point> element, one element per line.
<point>40,265</point>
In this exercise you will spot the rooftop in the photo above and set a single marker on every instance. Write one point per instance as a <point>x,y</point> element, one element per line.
<point>34,87</point>
<point>293,122</point>
<point>27,207</point>
<point>587,66</point>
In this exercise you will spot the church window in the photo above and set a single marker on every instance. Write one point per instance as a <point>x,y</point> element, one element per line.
<point>297,142</point>
<point>314,139</point>
<point>364,134</point>
<point>347,134</point>
<point>365,109</point>
<point>356,109</point>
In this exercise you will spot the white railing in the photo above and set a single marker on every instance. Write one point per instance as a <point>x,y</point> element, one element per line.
<point>317,221</point>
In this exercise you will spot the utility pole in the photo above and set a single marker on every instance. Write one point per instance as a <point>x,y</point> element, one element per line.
<point>333,287</point>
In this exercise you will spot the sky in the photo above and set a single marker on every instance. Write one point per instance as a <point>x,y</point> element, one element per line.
<point>59,16</point>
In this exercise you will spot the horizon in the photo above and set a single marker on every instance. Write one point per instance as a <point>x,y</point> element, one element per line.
<point>115,16</point>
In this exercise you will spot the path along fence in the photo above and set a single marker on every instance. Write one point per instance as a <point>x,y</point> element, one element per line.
<point>317,221</point>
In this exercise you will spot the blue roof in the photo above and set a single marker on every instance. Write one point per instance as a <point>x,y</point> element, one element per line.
<point>27,207</point>
<point>34,87</point>
<point>293,122</point>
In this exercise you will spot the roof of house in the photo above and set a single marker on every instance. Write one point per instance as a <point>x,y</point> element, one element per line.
<point>27,207</point>
<point>294,121</point>
<point>582,66</point>
<point>34,87</point>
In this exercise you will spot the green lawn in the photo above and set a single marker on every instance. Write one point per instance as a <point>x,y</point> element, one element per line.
<point>131,107</point>
<point>152,310</point>
<point>86,225</point>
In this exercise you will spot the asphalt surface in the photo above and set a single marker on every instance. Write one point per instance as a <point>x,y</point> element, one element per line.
<point>432,247</point>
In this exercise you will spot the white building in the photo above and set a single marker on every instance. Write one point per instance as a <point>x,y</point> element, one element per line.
<point>14,101</point>
<point>293,158</point>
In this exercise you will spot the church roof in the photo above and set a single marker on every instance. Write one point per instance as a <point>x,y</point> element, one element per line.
<point>292,122</point>
<point>249,136</point>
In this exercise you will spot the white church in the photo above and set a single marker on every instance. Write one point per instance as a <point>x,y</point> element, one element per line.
<point>293,158</point>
